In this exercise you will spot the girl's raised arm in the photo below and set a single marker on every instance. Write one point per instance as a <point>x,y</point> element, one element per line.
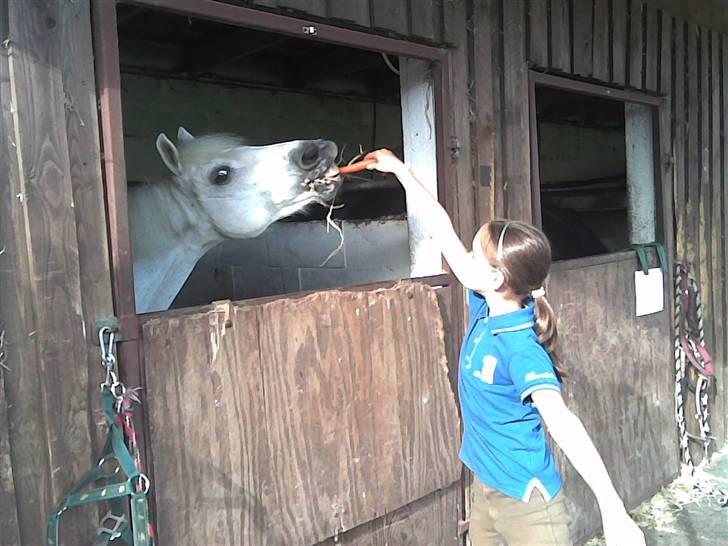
<point>439,225</point>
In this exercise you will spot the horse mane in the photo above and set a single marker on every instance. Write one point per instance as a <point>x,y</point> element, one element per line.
<point>206,147</point>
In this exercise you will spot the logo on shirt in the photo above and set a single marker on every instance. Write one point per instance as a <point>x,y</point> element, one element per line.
<point>533,376</point>
<point>488,371</point>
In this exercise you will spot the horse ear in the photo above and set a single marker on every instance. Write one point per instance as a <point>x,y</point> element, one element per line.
<point>183,135</point>
<point>168,152</point>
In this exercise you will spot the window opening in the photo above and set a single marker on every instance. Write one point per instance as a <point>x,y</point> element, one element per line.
<point>596,171</point>
<point>212,78</point>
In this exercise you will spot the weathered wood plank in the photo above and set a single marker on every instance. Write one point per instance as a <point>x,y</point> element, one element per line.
<point>538,32</point>
<point>692,172</point>
<point>87,183</point>
<point>680,191</point>
<point>499,197</point>
<point>583,33</point>
<point>431,521</point>
<point>636,43</point>
<point>351,10</point>
<point>311,7</point>
<point>615,412</point>
<point>390,15</point>
<point>704,190</point>
<point>652,42</point>
<point>667,150</point>
<point>517,167</point>
<point>486,121</point>
<point>560,35</point>
<point>722,395</point>
<point>464,213</point>
<point>46,387</point>
<point>602,70</point>
<point>302,418</point>
<point>717,224</point>
<point>619,41</point>
<point>425,18</point>
<point>9,527</point>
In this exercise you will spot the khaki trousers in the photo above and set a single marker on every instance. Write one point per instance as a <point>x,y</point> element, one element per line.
<point>497,519</point>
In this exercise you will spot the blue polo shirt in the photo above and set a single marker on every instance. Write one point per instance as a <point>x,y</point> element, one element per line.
<point>501,365</point>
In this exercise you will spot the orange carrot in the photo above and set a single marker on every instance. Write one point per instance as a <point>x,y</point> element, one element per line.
<point>356,167</point>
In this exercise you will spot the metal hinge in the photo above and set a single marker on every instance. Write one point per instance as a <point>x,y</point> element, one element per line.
<point>463,527</point>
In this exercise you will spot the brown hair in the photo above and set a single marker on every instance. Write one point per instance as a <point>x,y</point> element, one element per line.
<point>525,260</point>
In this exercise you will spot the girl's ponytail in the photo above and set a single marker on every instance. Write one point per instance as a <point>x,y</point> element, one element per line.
<point>548,332</point>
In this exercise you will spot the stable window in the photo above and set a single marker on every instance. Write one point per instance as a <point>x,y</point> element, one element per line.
<point>594,167</point>
<point>265,79</point>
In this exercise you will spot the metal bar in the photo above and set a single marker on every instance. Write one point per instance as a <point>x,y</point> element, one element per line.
<point>262,20</point>
<point>549,80</point>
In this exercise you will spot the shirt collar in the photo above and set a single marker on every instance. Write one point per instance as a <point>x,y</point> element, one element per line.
<point>511,322</point>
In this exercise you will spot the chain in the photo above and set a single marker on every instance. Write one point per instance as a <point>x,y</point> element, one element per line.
<point>701,388</point>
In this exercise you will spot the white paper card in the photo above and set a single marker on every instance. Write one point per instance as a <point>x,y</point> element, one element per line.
<point>648,290</point>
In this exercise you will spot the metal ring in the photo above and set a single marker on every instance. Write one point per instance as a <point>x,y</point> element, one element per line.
<point>147,484</point>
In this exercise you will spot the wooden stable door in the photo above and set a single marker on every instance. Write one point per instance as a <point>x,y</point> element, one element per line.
<point>318,419</point>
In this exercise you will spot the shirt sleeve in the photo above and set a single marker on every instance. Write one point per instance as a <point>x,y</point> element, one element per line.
<point>533,370</point>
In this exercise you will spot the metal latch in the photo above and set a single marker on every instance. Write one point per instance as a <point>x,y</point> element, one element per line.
<point>112,323</point>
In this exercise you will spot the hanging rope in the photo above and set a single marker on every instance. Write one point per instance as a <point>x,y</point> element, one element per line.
<point>690,348</point>
<point>118,473</point>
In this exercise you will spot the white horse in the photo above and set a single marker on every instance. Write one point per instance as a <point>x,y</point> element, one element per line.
<point>218,188</point>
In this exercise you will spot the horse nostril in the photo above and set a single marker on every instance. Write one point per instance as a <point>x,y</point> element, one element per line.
<point>310,156</point>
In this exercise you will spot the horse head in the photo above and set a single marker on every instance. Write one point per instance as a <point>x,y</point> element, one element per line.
<point>244,189</point>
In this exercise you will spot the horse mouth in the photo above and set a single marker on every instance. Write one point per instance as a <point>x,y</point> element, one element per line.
<point>325,183</point>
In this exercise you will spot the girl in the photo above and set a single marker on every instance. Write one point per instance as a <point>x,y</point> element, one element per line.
<point>510,382</point>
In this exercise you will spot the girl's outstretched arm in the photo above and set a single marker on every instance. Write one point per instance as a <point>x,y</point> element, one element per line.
<point>569,433</point>
<point>439,223</point>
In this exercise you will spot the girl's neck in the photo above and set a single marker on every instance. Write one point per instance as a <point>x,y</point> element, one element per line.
<point>499,305</point>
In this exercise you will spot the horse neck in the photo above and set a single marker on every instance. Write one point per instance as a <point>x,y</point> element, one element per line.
<point>169,218</point>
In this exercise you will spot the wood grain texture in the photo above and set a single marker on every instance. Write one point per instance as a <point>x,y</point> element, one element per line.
<point>717,227</point>
<point>87,184</point>
<point>704,190</point>
<point>9,526</point>
<point>517,162</point>
<point>584,36</point>
<point>692,171</point>
<point>600,50</point>
<point>392,15</point>
<point>538,32</point>
<point>311,7</point>
<point>620,26</point>
<point>46,386</point>
<point>486,122</point>
<point>680,144</point>
<point>350,10</point>
<point>722,391</point>
<point>301,418</point>
<point>636,43</point>
<point>560,35</point>
<point>426,19</point>
<point>620,384</point>
<point>652,43</point>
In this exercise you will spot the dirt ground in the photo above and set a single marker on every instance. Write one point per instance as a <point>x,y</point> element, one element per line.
<point>681,515</point>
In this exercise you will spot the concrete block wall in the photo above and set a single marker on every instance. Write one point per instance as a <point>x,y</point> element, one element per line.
<point>288,256</point>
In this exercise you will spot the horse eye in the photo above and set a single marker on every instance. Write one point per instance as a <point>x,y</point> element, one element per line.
<point>220,175</point>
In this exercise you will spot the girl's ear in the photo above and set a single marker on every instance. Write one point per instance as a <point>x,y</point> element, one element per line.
<point>499,280</point>
<point>169,155</point>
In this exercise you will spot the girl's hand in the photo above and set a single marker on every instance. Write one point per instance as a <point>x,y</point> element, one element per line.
<point>620,530</point>
<point>385,161</point>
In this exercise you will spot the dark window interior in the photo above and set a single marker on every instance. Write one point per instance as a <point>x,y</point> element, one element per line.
<point>583,173</point>
<point>170,47</point>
